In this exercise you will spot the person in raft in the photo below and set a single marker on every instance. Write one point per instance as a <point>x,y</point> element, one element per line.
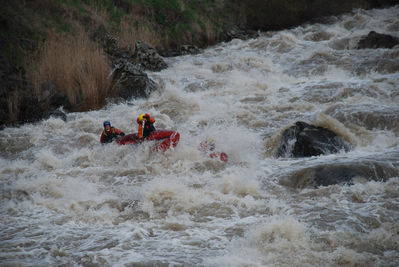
<point>207,145</point>
<point>110,133</point>
<point>148,127</point>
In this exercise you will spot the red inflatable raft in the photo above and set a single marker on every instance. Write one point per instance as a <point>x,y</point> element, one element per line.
<point>163,139</point>
<point>219,155</point>
<point>208,146</point>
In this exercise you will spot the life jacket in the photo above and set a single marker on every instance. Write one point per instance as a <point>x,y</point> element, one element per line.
<point>148,129</point>
<point>109,137</point>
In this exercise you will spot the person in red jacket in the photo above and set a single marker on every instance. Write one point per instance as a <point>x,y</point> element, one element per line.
<point>148,127</point>
<point>110,133</point>
<point>208,146</point>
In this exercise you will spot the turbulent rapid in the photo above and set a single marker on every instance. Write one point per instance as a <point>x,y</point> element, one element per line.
<point>68,200</point>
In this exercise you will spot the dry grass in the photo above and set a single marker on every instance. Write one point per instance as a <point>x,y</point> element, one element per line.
<point>99,17</point>
<point>133,30</point>
<point>210,33</point>
<point>77,67</point>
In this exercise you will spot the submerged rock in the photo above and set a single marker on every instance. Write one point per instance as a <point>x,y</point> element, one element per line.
<point>369,116</point>
<point>377,40</point>
<point>305,140</point>
<point>340,173</point>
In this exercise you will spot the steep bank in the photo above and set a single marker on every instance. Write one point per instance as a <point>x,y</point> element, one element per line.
<point>165,25</point>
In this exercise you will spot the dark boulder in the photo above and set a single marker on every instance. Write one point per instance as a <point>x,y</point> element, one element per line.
<point>55,114</point>
<point>243,34</point>
<point>172,52</point>
<point>30,109</point>
<point>128,76</point>
<point>189,50</point>
<point>52,99</point>
<point>182,50</point>
<point>377,40</point>
<point>111,47</point>
<point>58,100</point>
<point>129,80</point>
<point>144,54</point>
<point>305,140</point>
<point>340,173</point>
<point>148,57</point>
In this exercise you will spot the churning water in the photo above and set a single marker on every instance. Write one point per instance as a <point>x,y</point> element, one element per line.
<point>67,200</point>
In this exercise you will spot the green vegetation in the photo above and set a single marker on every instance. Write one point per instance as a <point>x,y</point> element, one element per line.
<point>56,40</point>
<point>174,22</point>
<point>169,22</point>
<point>53,39</point>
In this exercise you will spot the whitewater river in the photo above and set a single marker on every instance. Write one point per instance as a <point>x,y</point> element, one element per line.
<point>66,200</point>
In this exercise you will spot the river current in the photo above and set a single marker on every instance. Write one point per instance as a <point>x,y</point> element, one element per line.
<point>67,200</point>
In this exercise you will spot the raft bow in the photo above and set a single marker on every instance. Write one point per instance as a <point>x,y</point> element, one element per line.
<point>164,139</point>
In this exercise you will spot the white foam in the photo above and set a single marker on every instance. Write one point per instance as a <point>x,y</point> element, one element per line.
<point>117,205</point>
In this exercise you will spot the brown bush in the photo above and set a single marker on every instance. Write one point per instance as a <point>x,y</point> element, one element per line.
<point>77,67</point>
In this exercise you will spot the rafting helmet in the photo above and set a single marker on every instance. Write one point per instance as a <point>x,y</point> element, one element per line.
<point>107,123</point>
<point>142,117</point>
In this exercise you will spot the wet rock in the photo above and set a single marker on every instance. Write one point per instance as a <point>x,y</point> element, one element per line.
<point>58,100</point>
<point>340,173</point>
<point>56,114</point>
<point>189,49</point>
<point>305,140</point>
<point>237,33</point>
<point>130,80</point>
<point>173,52</point>
<point>377,40</point>
<point>53,99</point>
<point>111,46</point>
<point>186,49</point>
<point>148,57</point>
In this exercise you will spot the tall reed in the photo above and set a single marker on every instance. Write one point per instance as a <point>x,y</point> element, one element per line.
<point>77,67</point>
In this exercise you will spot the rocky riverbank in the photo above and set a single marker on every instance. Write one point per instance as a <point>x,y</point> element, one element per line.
<point>23,101</point>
